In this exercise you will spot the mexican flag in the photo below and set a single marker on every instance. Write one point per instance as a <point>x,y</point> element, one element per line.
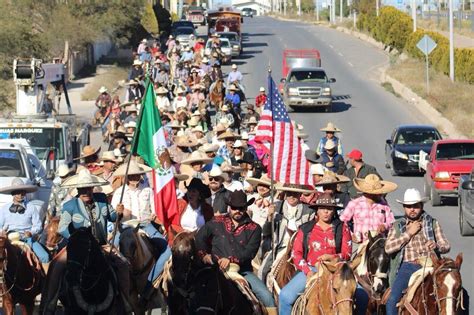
<point>151,145</point>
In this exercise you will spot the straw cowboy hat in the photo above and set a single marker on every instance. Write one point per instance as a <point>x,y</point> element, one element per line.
<point>197,157</point>
<point>372,184</point>
<point>193,122</point>
<point>103,89</point>
<point>233,88</point>
<point>176,125</point>
<point>181,177</point>
<point>263,180</point>
<point>132,82</point>
<point>244,135</point>
<point>238,199</point>
<point>183,141</point>
<point>161,90</point>
<point>220,127</point>
<point>294,188</point>
<point>228,168</point>
<point>197,184</point>
<point>106,189</point>
<point>227,135</point>
<point>329,145</point>
<point>209,147</point>
<point>131,108</point>
<point>135,168</point>
<point>109,156</point>
<point>331,178</point>
<point>238,144</point>
<point>217,172</point>
<point>84,179</point>
<point>330,127</point>
<point>412,196</point>
<point>180,90</point>
<point>317,169</point>
<point>252,121</point>
<point>63,170</point>
<point>131,124</point>
<point>17,184</point>
<point>87,151</point>
<point>197,129</point>
<point>205,60</point>
<point>137,62</point>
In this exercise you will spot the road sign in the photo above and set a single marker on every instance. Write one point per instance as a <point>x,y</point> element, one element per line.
<point>426,45</point>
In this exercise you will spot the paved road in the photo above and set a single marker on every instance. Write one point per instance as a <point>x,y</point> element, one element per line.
<point>363,109</point>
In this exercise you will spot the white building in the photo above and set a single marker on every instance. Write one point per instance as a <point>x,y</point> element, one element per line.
<point>261,6</point>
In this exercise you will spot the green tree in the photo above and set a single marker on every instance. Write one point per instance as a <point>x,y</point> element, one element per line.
<point>148,19</point>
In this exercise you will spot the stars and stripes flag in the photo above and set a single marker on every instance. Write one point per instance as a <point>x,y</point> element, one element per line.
<point>289,163</point>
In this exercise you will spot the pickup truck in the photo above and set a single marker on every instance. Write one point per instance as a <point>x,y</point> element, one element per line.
<point>307,87</point>
<point>466,204</point>
<point>447,162</point>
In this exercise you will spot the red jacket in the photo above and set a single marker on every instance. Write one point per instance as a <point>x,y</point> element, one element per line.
<point>260,100</point>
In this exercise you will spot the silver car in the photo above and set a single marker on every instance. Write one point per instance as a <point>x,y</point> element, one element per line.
<point>225,47</point>
<point>183,35</point>
<point>235,42</point>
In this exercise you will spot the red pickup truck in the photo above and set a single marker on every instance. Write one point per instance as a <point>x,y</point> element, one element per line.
<point>446,163</point>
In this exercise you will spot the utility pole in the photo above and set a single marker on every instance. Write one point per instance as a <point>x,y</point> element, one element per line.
<point>451,42</point>
<point>377,7</point>
<point>413,14</point>
<point>317,10</point>
<point>340,10</point>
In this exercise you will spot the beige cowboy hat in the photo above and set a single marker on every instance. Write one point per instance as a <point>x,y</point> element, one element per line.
<point>228,168</point>
<point>209,147</point>
<point>330,178</point>
<point>109,156</point>
<point>181,177</point>
<point>135,168</point>
<point>87,151</point>
<point>372,184</point>
<point>330,144</point>
<point>252,121</point>
<point>63,170</point>
<point>106,189</point>
<point>137,62</point>
<point>132,82</point>
<point>84,179</point>
<point>205,60</point>
<point>102,89</point>
<point>120,129</point>
<point>197,157</point>
<point>131,108</point>
<point>183,141</point>
<point>131,124</point>
<point>233,88</point>
<point>228,135</point>
<point>17,184</point>
<point>294,188</point>
<point>412,196</point>
<point>220,127</point>
<point>193,122</point>
<point>182,110</point>
<point>301,134</point>
<point>317,169</point>
<point>238,144</point>
<point>161,90</point>
<point>263,180</point>
<point>176,125</point>
<point>180,90</point>
<point>244,135</point>
<point>216,171</point>
<point>330,127</point>
<point>197,129</point>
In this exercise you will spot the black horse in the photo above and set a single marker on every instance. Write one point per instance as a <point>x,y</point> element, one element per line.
<point>90,280</point>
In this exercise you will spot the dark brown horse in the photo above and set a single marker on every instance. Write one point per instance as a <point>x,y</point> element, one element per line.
<point>441,292</point>
<point>20,282</point>
<point>200,289</point>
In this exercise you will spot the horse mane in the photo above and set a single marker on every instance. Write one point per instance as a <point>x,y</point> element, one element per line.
<point>346,272</point>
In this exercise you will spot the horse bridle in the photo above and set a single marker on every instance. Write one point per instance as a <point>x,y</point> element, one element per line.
<point>3,275</point>
<point>332,296</point>
<point>458,300</point>
<point>380,275</point>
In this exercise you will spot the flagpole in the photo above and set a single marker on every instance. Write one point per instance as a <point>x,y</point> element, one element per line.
<point>272,181</point>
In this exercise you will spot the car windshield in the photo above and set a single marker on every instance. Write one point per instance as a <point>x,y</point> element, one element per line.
<point>184,31</point>
<point>308,76</point>
<point>182,24</point>
<point>229,36</point>
<point>39,139</point>
<point>417,137</point>
<point>225,44</point>
<point>11,164</point>
<point>455,151</point>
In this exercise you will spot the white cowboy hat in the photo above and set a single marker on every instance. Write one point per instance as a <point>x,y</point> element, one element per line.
<point>137,62</point>
<point>329,145</point>
<point>244,135</point>
<point>262,89</point>
<point>84,179</point>
<point>412,196</point>
<point>195,157</point>
<point>102,89</point>
<point>217,172</point>
<point>109,156</point>
<point>205,60</point>
<point>330,178</point>
<point>317,169</point>
<point>209,147</point>
<point>197,129</point>
<point>87,151</point>
<point>131,124</point>
<point>234,66</point>
<point>161,90</point>
<point>63,170</point>
<point>180,90</point>
<point>372,184</point>
<point>135,168</point>
<point>119,153</point>
<point>144,41</point>
<point>17,184</point>
<point>330,127</point>
<point>263,180</point>
<point>238,144</point>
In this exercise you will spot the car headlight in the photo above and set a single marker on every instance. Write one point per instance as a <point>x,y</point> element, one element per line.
<point>326,91</point>
<point>236,46</point>
<point>442,175</point>
<point>401,155</point>
<point>293,91</point>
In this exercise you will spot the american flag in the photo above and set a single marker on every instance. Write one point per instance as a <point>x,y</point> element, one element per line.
<point>289,163</point>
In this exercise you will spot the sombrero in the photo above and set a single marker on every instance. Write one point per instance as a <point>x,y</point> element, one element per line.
<point>102,89</point>
<point>134,169</point>
<point>372,184</point>
<point>228,135</point>
<point>176,125</point>
<point>209,147</point>
<point>330,127</point>
<point>263,180</point>
<point>109,156</point>
<point>330,178</point>
<point>161,90</point>
<point>87,151</point>
<point>197,157</point>
<point>181,177</point>
<point>183,141</point>
<point>84,179</point>
<point>295,188</point>
<point>17,184</point>
<point>227,167</point>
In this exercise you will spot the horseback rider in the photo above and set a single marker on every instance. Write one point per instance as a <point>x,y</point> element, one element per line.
<point>317,240</point>
<point>330,130</point>
<point>412,238</point>
<point>104,98</point>
<point>234,99</point>
<point>58,194</point>
<point>23,216</point>
<point>234,238</point>
<point>332,160</point>
<point>235,77</point>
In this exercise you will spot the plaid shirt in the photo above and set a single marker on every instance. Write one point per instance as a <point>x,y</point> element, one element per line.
<point>367,218</point>
<point>415,246</point>
<point>224,153</point>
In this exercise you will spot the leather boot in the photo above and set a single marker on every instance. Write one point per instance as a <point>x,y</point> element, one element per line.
<point>272,310</point>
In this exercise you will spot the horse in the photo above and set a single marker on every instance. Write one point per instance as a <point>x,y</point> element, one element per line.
<point>53,238</point>
<point>216,94</point>
<point>440,292</point>
<point>91,286</point>
<point>20,282</point>
<point>100,114</point>
<point>329,291</point>
<point>199,289</point>
<point>136,247</point>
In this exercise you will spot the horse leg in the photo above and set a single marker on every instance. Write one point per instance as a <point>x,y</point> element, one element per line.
<point>27,309</point>
<point>8,306</point>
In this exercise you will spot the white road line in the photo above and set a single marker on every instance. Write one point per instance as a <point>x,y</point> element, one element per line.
<point>340,54</point>
<point>331,46</point>
<point>350,64</point>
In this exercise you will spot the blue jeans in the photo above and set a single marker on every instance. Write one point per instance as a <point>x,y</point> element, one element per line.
<point>38,249</point>
<point>161,246</point>
<point>400,284</point>
<point>291,291</point>
<point>361,300</point>
<point>259,288</point>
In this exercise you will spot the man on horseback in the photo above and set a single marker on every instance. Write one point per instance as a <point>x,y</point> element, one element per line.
<point>412,238</point>
<point>235,238</point>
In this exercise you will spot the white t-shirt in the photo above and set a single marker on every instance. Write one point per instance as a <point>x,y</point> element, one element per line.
<point>234,185</point>
<point>139,201</point>
<point>192,219</point>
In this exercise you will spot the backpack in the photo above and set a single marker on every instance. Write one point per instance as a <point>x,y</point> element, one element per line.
<point>308,227</point>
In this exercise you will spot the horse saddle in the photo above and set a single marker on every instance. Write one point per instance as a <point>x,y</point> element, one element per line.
<point>415,281</point>
<point>15,239</point>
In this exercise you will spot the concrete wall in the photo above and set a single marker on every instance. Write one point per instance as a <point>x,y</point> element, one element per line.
<point>88,56</point>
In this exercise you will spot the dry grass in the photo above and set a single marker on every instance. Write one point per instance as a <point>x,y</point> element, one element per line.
<point>110,78</point>
<point>7,97</point>
<point>452,100</point>
<point>432,24</point>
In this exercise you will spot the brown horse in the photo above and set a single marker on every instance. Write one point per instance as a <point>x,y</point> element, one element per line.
<point>53,238</point>
<point>200,289</point>
<point>330,291</point>
<point>20,282</point>
<point>440,293</point>
<point>282,271</point>
<point>216,94</point>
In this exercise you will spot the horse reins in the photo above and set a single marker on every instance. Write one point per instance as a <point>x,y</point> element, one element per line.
<point>458,300</point>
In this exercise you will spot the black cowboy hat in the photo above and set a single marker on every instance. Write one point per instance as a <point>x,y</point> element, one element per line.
<point>238,199</point>
<point>312,156</point>
<point>247,158</point>
<point>197,184</point>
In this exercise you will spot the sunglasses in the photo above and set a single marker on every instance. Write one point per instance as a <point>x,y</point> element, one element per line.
<point>240,209</point>
<point>213,179</point>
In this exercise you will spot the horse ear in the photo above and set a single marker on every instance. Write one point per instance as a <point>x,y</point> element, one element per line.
<point>459,260</point>
<point>369,235</point>
<point>434,259</point>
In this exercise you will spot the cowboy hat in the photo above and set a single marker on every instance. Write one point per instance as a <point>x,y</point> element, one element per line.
<point>412,196</point>
<point>252,121</point>
<point>317,169</point>
<point>330,127</point>
<point>238,144</point>
<point>17,184</point>
<point>181,177</point>
<point>134,168</point>
<point>87,151</point>
<point>108,156</point>
<point>220,127</point>
<point>330,144</point>
<point>301,135</point>
<point>126,104</point>
<point>132,82</point>
<point>196,113</point>
<point>137,62</point>
<point>193,122</point>
<point>131,108</point>
<point>176,125</point>
<point>63,170</point>
<point>171,37</point>
<point>295,188</point>
<point>161,90</point>
<point>209,147</point>
<point>197,129</point>
<point>312,156</point>
<point>106,189</point>
<point>227,135</point>
<point>120,129</point>
<point>228,168</point>
<point>197,157</point>
<point>238,199</point>
<point>102,89</point>
<point>331,178</point>
<point>233,88</point>
<point>372,184</point>
<point>262,89</point>
<point>217,172</point>
<point>325,200</point>
<point>244,135</point>
<point>131,124</point>
<point>205,60</point>
<point>197,184</point>
<point>263,180</point>
<point>234,66</point>
<point>180,90</point>
<point>84,179</point>
<point>183,141</point>
<point>144,41</point>
<point>119,153</point>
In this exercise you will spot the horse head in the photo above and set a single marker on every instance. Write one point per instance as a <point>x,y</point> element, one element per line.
<point>378,263</point>
<point>183,256</point>
<point>447,284</point>
<point>3,244</point>
<point>53,238</point>
<point>342,286</point>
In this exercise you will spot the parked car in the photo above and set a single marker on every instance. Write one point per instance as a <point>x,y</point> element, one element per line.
<point>466,204</point>
<point>235,42</point>
<point>248,12</point>
<point>448,160</point>
<point>225,47</point>
<point>402,150</point>
<point>183,34</point>
<point>182,23</point>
